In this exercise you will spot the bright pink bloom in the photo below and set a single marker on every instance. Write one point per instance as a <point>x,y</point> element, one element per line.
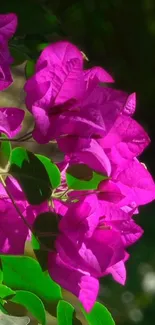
<point>65,99</point>
<point>8,25</point>
<point>11,121</point>
<point>114,155</point>
<point>91,243</point>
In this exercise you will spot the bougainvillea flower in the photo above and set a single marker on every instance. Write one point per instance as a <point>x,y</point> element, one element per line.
<point>11,121</point>
<point>13,231</point>
<point>91,240</point>
<point>114,155</point>
<point>8,25</point>
<point>65,99</point>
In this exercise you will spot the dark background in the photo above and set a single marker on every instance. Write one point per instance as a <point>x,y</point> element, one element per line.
<point>119,35</point>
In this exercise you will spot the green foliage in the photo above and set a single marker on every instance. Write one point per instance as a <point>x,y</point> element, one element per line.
<point>24,273</point>
<point>29,68</point>
<point>46,228</point>
<point>64,313</point>
<point>81,177</point>
<point>36,170</point>
<point>99,316</point>
<point>52,170</point>
<point>32,303</point>
<point>5,291</point>
<point>5,153</point>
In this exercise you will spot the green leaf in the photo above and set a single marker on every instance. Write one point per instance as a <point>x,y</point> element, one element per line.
<point>35,243</point>
<point>29,69</point>
<point>32,303</point>
<point>64,313</point>
<point>5,291</point>
<point>31,174</point>
<point>52,171</point>
<point>22,272</point>
<point>99,315</point>
<point>81,177</point>
<point>1,275</point>
<point>5,153</point>
<point>46,228</point>
<point>42,46</point>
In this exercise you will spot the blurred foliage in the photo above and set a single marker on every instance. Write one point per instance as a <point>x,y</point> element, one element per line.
<point>120,36</point>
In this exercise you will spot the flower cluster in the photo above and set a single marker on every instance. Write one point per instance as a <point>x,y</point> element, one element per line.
<point>93,126</point>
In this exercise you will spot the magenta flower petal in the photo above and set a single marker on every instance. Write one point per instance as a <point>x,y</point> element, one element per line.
<point>109,191</point>
<point>13,230</point>
<point>58,79</point>
<point>130,232</point>
<point>5,56</point>
<point>59,54</point>
<point>136,183</point>
<point>130,105</point>
<point>95,157</point>
<point>86,151</point>
<point>5,77</point>
<point>8,25</point>
<point>10,121</point>
<point>85,220</point>
<point>68,124</point>
<point>102,106</point>
<point>99,73</point>
<point>126,140</point>
<point>81,284</point>
<point>118,272</point>
<point>106,242</point>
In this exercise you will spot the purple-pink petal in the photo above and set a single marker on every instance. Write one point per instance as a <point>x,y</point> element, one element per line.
<point>126,140</point>
<point>130,105</point>
<point>136,183</point>
<point>99,73</point>
<point>59,54</point>
<point>5,77</point>
<point>8,25</point>
<point>80,283</point>
<point>118,272</point>
<point>109,191</point>
<point>81,219</point>
<point>11,121</point>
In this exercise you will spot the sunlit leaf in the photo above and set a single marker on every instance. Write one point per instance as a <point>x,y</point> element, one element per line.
<point>5,153</point>
<point>32,303</point>
<point>52,171</point>
<point>28,169</point>
<point>5,291</point>
<point>29,68</point>
<point>81,177</point>
<point>64,313</point>
<point>99,315</point>
<point>24,273</point>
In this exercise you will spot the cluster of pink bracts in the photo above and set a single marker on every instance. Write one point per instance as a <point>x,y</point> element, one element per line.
<point>92,124</point>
